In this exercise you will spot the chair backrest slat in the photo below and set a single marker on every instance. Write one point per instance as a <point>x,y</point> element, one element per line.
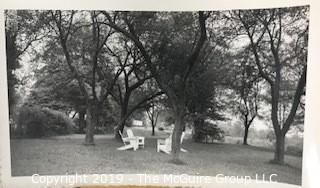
<point>182,137</point>
<point>130,133</point>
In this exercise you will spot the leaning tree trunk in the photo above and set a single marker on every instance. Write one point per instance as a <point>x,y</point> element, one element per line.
<point>91,122</point>
<point>121,125</point>
<point>279,148</point>
<point>120,128</point>
<point>123,118</point>
<point>177,131</point>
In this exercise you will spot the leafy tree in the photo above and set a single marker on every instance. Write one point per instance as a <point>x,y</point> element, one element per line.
<point>170,47</point>
<point>22,30</point>
<point>155,107</point>
<point>278,41</point>
<point>153,115</point>
<point>55,89</point>
<point>203,101</point>
<point>130,92</point>
<point>82,38</point>
<point>39,122</point>
<point>246,85</point>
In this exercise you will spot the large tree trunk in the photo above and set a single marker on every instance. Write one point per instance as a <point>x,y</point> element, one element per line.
<point>279,149</point>
<point>91,122</point>
<point>153,127</point>
<point>177,131</point>
<point>123,117</point>
<point>246,131</point>
<point>120,128</point>
<point>82,123</point>
<point>245,137</point>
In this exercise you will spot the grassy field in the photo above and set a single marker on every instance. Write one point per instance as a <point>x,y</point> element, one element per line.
<point>66,154</point>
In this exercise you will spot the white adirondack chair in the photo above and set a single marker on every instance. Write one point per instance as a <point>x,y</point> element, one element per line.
<point>129,143</point>
<point>140,138</point>
<point>164,145</point>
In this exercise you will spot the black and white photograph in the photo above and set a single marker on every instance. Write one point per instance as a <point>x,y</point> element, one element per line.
<point>204,93</point>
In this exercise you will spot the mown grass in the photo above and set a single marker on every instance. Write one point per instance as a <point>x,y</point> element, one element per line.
<point>61,155</point>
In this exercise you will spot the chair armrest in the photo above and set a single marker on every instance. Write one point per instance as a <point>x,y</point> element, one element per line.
<point>132,138</point>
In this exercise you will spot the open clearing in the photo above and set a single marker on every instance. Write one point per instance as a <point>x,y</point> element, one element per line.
<point>66,154</point>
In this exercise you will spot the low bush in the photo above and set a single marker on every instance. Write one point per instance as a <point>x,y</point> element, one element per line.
<point>58,123</point>
<point>101,130</point>
<point>208,132</point>
<point>36,122</point>
<point>294,150</point>
<point>161,129</point>
<point>79,128</point>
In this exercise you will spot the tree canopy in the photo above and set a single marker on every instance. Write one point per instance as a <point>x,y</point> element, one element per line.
<point>201,66</point>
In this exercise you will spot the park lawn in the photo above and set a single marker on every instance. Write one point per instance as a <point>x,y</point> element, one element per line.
<point>61,155</point>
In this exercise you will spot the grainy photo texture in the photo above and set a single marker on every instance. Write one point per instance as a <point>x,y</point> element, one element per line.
<point>209,93</point>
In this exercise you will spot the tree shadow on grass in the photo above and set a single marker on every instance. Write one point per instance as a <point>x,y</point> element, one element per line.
<point>177,162</point>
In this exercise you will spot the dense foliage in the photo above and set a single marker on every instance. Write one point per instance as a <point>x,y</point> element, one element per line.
<point>36,122</point>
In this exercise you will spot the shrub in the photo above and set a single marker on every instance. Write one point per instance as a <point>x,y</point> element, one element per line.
<point>294,150</point>
<point>78,129</point>
<point>58,123</point>
<point>100,130</point>
<point>271,136</point>
<point>36,122</point>
<point>161,129</point>
<point>236,130</point>
<point>207,132</point>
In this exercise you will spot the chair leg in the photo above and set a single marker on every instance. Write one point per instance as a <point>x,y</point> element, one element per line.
<point>184,150</point>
